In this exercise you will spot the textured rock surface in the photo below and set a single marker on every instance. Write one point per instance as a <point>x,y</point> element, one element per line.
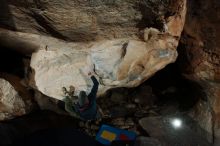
<point>87,20</point>
<point>127,41</point>
<point>162,129</point>
<point>12,104</point>
<point>118,63</point>
<point>200,60</point>
<point>202,40</point>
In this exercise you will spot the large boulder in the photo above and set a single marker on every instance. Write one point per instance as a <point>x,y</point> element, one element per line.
<point>11,103</point>
<point>117,63</point>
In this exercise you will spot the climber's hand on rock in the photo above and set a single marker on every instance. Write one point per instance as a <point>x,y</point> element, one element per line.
<point>64,91</point>
<point>91,73</point>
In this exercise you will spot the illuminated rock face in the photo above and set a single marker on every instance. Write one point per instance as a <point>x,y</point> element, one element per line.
<point>11,103</point>
<point>117,63</point>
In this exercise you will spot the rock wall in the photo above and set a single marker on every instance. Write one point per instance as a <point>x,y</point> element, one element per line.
<point>200,60</point>
<point>87,20</point>
<point>11,102</point>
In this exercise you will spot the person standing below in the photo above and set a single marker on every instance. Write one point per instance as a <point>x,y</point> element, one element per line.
<point>86,107</point>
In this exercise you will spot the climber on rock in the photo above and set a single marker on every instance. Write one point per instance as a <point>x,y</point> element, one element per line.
<point>85,108</point>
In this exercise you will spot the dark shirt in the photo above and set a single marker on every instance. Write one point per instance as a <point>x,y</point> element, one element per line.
<point>91,110</point>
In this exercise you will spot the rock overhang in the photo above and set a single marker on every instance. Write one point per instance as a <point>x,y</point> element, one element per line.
<point>124,54</point>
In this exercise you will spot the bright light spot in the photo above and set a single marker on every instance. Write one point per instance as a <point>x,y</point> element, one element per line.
<point>177,123</point>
